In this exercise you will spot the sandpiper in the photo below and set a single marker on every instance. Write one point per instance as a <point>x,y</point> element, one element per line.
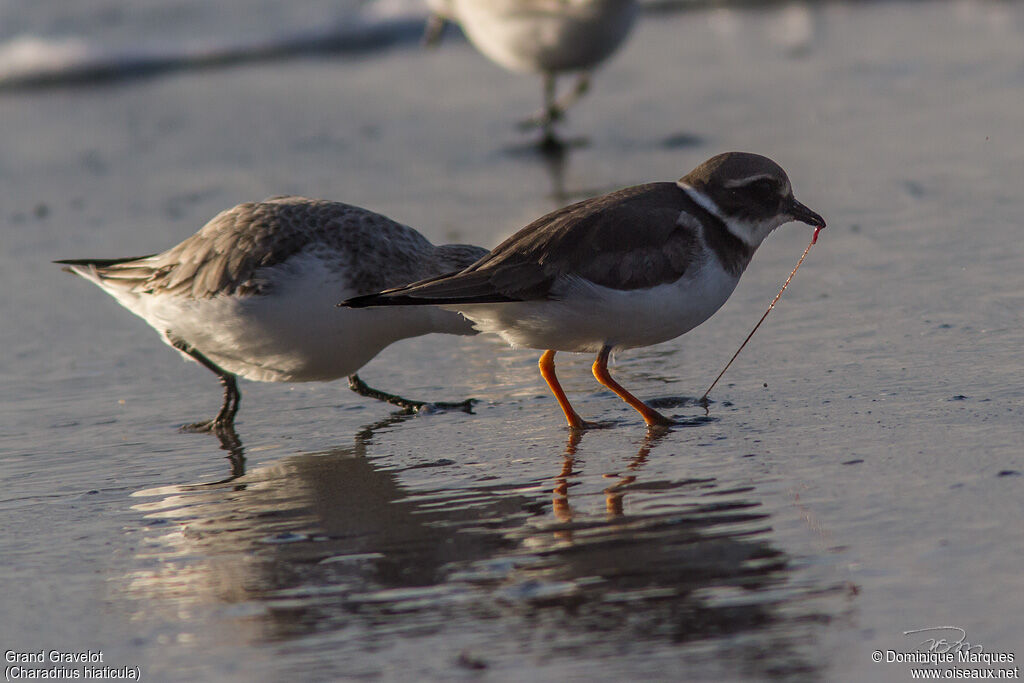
<point>252,293</point>
<point>549,37</point>
<point>631,268</point>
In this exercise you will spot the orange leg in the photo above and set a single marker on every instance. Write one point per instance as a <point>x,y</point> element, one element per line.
<point>651,417</point>
<point>547,371</point>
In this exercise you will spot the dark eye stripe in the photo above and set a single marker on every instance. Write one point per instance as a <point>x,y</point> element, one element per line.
<point>762,186</point>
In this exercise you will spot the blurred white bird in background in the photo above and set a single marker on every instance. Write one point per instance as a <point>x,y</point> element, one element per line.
<point>549,37</point>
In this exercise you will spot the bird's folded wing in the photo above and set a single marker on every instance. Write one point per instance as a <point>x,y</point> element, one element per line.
<point>226,255</point>
<point>460,287</point>
<point>630,239</point>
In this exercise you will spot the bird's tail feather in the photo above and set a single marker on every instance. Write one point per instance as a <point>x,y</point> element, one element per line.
<point>99,262</point>
<point>396,299</point>
<point>460,287</point>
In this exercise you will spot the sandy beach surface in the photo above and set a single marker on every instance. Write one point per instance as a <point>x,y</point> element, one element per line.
<point>859,476</point>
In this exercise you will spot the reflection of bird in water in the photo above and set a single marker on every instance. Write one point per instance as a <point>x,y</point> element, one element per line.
<point>631,268</point>
<point>252,293</point>
<point>371,555</point>
<point>329,527</point>
<point>550,37</point>
<point>232,443</point>
<point>614,493</point>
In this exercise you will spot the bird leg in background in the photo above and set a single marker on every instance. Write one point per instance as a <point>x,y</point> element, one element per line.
<point>546,119</point>
<point>579,90</point>
<point>554,109</point>
<point>225,419</point>
<point>433,30</point>
<point>547,371</point>
<point>356,384</point>
<point>651,416</point>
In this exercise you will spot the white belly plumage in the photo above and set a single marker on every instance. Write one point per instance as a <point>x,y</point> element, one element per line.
<point>583,316</point>
<point>273,340</point>
<point>545,35</point>
<point>295,333</point>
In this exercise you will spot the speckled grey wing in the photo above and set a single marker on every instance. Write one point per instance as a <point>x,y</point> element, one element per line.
<point>630,239</point>
<point>225,256</point>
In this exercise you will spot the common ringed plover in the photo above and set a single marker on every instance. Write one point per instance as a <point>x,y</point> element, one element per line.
<point>631,268</point>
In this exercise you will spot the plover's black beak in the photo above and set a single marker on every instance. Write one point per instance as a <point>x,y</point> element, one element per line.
<point>801,213</point>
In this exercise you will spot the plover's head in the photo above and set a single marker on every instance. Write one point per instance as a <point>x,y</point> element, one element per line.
<point>749,192</point>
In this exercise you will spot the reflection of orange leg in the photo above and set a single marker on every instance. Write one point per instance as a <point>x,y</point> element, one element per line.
<point>547,371</point>
<point>651,417</point>
<point>560,494</point>
<point>616,493</point>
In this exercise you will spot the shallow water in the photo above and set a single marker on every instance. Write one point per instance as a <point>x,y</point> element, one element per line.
<point>858,476</point>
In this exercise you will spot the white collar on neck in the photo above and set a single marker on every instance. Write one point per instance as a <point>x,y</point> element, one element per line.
<point>743,231</point>
<point>702,200</point>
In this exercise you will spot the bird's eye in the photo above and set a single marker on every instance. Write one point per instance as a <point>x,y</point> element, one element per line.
<point>763,191</point>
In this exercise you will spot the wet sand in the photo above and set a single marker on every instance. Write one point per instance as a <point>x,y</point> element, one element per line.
<point>858,476</point>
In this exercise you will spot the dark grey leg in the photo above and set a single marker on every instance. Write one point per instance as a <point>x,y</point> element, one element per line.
<point>434,30</point>
<point>356,384</point>
<point>225,419</point>
<point>579,90</point>
<point>546,118</point>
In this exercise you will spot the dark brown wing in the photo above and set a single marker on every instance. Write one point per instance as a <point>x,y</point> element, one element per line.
<point>629,239</point>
